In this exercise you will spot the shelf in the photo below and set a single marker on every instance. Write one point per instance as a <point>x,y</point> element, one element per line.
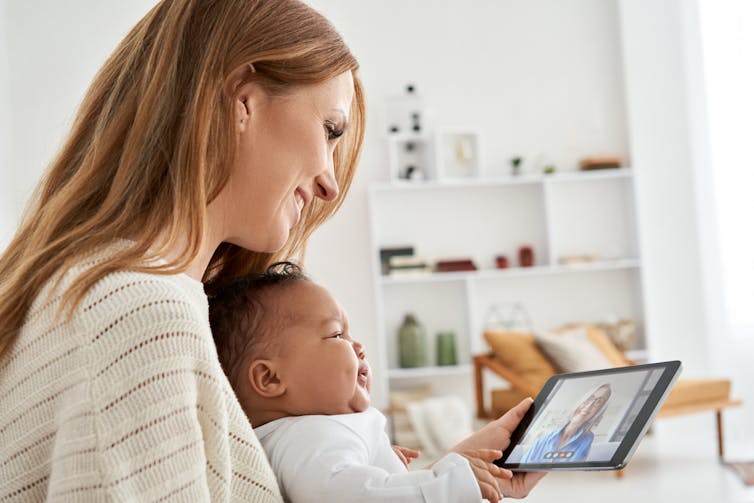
<point>434,277</point>
<point>531,178</point>
<point>424,372</point>
<point>597,174</point>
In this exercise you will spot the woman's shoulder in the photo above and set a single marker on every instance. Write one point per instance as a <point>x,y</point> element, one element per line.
<point>150,292</point>
<point>126,311</point>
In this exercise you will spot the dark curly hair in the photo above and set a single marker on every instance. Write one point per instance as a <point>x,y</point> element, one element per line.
<point>241,319</point>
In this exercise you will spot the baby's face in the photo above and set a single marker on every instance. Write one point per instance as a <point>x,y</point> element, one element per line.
<point>325,371</point>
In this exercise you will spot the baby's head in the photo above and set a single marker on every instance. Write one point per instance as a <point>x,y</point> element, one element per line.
<point>285,345</point>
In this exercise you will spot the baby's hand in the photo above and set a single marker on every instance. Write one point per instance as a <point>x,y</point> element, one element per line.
<point>486,472</point>
<point>405,454</point>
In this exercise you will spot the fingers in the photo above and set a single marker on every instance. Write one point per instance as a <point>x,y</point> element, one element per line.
<point>403,458</point>
<point>410,453</point>
<point>487,483</point>
<point>493,469</point>
<point>521,484</point>
<point>490,492</point>
<point>510,419</point>
<point>488,473</point>
<point>405,454</point>
<point>496,433</point>
<point>399,452</point>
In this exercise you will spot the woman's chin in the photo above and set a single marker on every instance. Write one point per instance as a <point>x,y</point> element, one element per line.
<point>271,244</point>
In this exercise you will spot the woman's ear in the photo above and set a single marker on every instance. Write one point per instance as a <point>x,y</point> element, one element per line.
<point>240,87</point>
<point>265,380</point>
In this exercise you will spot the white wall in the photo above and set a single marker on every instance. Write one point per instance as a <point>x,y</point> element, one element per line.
<point>7,208</point>
<point>53,49</point>
<point>660,47</point>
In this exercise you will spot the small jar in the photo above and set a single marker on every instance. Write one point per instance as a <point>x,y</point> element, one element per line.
<point>446,349</point>
<point>526,256</point>
<point>412,343</point>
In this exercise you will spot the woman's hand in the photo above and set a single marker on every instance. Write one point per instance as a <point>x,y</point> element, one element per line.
<point>405,454</point>
<point>497,435</point>
<point>486,472</point>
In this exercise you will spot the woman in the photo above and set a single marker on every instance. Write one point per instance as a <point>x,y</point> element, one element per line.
<point>214,140</point>
<point>573,441</point>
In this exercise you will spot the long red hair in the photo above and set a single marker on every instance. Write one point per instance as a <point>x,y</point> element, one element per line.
<point>153,142</point>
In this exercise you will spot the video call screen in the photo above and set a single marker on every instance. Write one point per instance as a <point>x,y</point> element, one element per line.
<point>595,412</point>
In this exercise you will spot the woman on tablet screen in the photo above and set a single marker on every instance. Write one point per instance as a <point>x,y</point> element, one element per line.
<point>573,440</point>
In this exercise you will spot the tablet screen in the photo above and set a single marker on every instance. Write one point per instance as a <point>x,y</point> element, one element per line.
<point>590,419</point>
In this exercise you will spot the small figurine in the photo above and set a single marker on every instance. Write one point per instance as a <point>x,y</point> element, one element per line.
<point>501,262</point>
<point>413,173</point>
<point>516,165</point>
<point>416,124</point>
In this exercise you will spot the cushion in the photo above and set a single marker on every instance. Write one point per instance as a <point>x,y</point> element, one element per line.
<point>600,339</point>
<point>440,422</point>
<point>519,352</point>
<point>403,432</point>
<point>572,350</point>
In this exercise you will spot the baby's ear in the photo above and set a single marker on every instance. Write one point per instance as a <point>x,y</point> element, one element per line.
<point>264,379</point>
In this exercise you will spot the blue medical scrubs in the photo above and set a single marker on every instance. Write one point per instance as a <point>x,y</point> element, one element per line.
<point>545,450</point>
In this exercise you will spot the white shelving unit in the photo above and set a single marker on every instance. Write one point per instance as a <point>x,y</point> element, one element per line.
<point>562,214</point>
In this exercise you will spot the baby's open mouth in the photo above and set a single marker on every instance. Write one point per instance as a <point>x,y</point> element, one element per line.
<point>363,375</point>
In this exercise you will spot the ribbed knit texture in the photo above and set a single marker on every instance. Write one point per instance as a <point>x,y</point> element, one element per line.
<point>126,402</point>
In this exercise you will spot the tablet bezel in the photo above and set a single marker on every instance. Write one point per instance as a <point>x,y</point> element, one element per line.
<point>627,447</point>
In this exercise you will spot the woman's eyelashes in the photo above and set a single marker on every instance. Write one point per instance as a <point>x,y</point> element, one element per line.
<point>333,131</point>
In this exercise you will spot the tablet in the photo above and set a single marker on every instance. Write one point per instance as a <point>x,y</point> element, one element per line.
<point>589,420</point>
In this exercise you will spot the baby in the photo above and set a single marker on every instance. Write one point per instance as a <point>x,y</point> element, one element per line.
<point>304,382</point>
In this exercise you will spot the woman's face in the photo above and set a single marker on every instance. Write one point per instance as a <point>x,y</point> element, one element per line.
<point>590,407</point>
<point>284,159</point>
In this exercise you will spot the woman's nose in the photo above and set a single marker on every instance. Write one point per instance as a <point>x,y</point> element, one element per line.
<point>358,348</point>
<point>325,185</point>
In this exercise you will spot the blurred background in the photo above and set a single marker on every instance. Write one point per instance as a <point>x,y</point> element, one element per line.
<point>497,106</point>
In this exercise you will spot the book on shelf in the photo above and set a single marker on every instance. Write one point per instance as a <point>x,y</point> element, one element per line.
<point>455,265</point>
<point>407,264</point>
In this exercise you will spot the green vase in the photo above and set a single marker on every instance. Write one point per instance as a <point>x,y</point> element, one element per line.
<point>412,343</point>
<point>446,348</point>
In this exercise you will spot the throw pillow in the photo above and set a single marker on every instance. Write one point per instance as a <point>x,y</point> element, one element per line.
<point>572,350</point>
<point>519,352</point>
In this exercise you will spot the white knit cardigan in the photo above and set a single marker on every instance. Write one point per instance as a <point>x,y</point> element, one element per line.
<point>125,402</point>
